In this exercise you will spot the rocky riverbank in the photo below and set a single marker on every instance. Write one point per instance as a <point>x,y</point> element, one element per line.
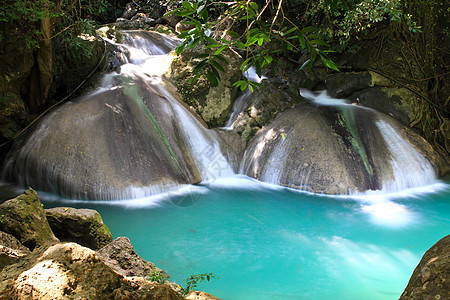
<point>67,253</point>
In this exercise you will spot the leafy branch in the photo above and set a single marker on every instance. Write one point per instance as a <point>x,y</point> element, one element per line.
<point>193,281</point>
<point>259,31</point>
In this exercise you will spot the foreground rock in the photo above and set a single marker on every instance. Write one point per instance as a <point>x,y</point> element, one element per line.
<point>121,257</point>
<point>82,226</point>
<point>431,278</point>
<point>11,250</point>
<point>24,218</point>
<point>71,271</point>
<point>67,270</point>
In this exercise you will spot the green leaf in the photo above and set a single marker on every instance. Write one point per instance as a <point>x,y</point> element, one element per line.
<point>217,65</point>
<point>212,79</point>
<point>254,32</point>
<point>308,29</point>
<point>242,84</point>
<point>319,42</point>
<point>313,36</point>
<point>290,30</point>
<point>329,63</point>
<point>203,55</point>
<point>305,64</point>
<point>210,40</point>
<point>268,59</point>
<point>186,5</point>
<point>223,59</point>
<point>254,6</point>
<point>301,40</point>
<point>233,34</point>
<point>240,45</point>
<point>200,8</point>
<point>214,71</point>
<point>213,46</point>
<point>218,51</point>
<point>201,65</point>
<point>185,13</point>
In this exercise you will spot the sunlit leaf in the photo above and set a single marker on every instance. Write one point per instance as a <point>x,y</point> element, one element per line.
<point>217,65</point>
<point>212,79</point>
<point>305,64</point>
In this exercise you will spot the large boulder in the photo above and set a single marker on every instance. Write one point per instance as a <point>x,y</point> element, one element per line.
<point>112,144</point>
<point>70,271</point>
<point>213,104</point>
<point>25,219</point>
<point>337,150</point>
<point>123,259</point>
<point>82,226</point>
<point>431,278</point>
<point>262,106</point>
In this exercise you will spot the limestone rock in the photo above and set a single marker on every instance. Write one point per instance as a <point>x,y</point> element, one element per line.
<point>183,26</point>
<point>24,218</point>
<point>393,101</point>
<point>172,19</point>
<point>70,271</point>
<point>131,9</point>
<point>82,226</point>
<point>213,104</point>
<point>265,104</point>
<point>13,113</point>
<point>335,150</point>
<point>197,295</point>
<point>11,250</point>
<point>148,154</point>
<point>343,84</point>
<point>431,278</point>
<point>121,257</point>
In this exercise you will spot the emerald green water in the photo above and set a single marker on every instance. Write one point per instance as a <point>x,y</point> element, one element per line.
<point>274,243</point>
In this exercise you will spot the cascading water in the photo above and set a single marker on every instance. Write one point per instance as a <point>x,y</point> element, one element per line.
<point>410,169</point>
<point>241,101</point>
<point>330,146</point>
<point>129,138</point>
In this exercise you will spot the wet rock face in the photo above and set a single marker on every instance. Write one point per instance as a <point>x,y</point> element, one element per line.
<point>213,104</point>
<point>265,104</point>
<point>331,150</point>
<point>430,279</point>
<point>106,145</point>
<point>82,226</point>
<point>24,218</point>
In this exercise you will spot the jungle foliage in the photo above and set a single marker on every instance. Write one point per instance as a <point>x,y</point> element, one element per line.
<point>68,18</point>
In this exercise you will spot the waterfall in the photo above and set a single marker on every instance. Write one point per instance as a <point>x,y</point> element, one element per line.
<point>241,101</point>
<point>129,138</point>
<point>409,168</point>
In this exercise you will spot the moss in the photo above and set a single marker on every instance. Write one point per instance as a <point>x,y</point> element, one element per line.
<point>348,120</point>
<point>131,92</point>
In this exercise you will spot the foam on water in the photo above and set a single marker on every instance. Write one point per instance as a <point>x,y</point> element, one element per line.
<point>322,98</point>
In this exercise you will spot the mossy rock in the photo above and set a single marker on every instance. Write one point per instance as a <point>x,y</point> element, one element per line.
<point>82,226</point>
<point>25,219</point>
